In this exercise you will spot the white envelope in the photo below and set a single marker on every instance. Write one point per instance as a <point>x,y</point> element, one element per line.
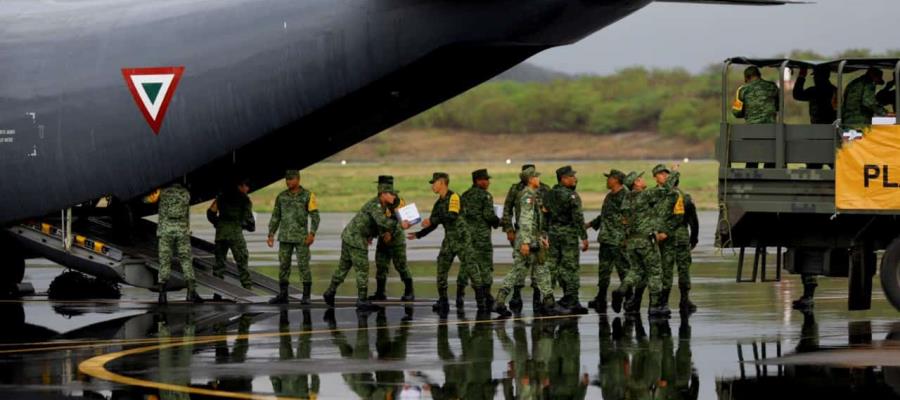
<point>409,213</point>
<point>498,210</point>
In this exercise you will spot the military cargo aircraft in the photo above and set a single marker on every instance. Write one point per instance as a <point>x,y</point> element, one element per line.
<point>110,99</point>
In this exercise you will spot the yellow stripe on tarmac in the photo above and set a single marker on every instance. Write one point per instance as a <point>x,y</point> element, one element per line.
<point>96,366</point>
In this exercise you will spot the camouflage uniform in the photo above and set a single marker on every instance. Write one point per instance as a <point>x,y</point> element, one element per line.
<point>511,210</point>
<point>566,223</point>
<point>860,104</point>
<point>611,237</point>
<point>174,233</point>
<point>368,223</point>
<point>531,230</point>
<point>478,212</point>
<point>294,216</point>
<point>457,243</point>
<point>235,213</point>
<point>395,251</point>
<point>642,223</point>
<point>757,102</point>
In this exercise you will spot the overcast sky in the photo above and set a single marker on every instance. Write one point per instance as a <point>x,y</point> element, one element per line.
<point>694,36</point>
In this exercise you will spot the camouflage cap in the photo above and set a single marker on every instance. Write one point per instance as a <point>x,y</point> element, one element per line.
<point>632,176</point>
<point>386,188</point>
<point>565,171</point>
<point>529,173</point>
<point>614,173</point>
<point>480,174</point>
<point>291,174</point>
<point>660,168</point>
<point>388,179</point>
<point>439,175</point>
<point>526,166</point>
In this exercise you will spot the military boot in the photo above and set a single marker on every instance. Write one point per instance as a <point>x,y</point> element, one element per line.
<point>441,305</point>
<point>307,289</point>
<point>163,300</point>
<point>500,305</point>
<point>282,297</point>
<point>617,297</point>
<point>488,299</point>
<point>536,298</point>
<point>328,296</point>
<point>515,303</point>
<point>408,291</point>
<point>362,302</point>
<point>657,308</point>
<point>664,302</point>
<point>599,301</point>
<point>481,298</point>
<point>550,307</point>
<point>460,296</point>
<point>379,295</point>
<point>633,305</point>
<point>806,301</point>
<point>685,305</point>
<point>192,295</point>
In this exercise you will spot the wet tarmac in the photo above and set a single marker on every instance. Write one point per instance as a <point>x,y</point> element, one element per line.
<point>745,342</point>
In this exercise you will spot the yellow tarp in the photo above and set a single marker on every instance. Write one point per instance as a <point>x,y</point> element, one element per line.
<point>868,170</point>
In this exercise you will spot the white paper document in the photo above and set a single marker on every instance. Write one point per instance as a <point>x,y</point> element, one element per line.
<point>409,213</point>
<point>498,210</point>
<point>884,120</point>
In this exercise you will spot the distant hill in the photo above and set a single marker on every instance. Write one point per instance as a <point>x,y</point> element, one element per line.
<point>526,72</point>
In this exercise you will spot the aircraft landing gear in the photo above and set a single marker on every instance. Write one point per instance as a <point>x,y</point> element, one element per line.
<point>12,267</point>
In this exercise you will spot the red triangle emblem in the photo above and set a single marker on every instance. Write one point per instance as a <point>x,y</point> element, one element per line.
<point>152,90</point>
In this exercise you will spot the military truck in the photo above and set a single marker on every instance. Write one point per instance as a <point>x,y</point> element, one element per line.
<point>820,195</point>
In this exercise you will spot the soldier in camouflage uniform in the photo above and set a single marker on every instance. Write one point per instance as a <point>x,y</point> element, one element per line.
<point>611,237</point>
<point>675,251</point>
<point>860,102</point>
<point>644,228</point>
<point>296,219</point>
<point>756,102</point>
<point>531,244</point>
<point>457,243</point>
<point>478,212</point>
<point>566,226</point>
<point>231,213</point>
<point>395,251</point>
<point>174,233</point>
<point>511,210</point>
<point>370,222</point>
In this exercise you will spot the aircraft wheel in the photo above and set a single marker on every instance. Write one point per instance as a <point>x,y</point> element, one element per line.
<point>890,273</point>
<point>12,266</point>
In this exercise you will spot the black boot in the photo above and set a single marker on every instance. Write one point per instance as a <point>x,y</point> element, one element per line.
<point>501,310</point>
<point>515,303</point>
<point>441,305</point>
<point>599,301</point>
<point>460,296</point>
<point>633,305</point>
<point>282,297</point>
<point>408,292</point>
<point>488,299</point>
<point>192,295</point>
<point>163,300</point>
<point>328,296</point>
<point>806,301</point>
<point>362,302</point>
<point>307,289</point>
<point>657,308</point>
<point>481,298</point>
<point>379,295</point>
<point>664,302</point>
<point>550,307</point>
<point>536,298</point>
<point>617,297</point>
<point>685,305</point>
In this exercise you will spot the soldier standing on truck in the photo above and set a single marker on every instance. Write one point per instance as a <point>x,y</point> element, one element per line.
<point>756,102</point>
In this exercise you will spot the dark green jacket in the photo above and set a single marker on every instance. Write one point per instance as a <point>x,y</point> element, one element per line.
<point>610,222</point>
<point>235,214</point>
<point>564,212</point>
<point>294,215</point>
<point>478,212</point>
<point>370,222</point>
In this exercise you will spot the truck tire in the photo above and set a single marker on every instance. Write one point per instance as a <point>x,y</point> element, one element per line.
<point>890,273</point>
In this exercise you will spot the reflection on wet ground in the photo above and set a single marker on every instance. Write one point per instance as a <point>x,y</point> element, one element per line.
<point>744,343</point>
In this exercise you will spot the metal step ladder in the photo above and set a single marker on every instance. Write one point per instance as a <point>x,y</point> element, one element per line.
<point>95,249</point>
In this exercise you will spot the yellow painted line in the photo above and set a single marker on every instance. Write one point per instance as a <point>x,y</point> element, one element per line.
<point>96,366</point>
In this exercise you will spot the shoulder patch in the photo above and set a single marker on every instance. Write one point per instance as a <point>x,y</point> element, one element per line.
<point>313,205</point>
<point>454,203</point>
<point>679,206</point>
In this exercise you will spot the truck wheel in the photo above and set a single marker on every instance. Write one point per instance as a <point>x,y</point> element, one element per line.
<point>890,273</point>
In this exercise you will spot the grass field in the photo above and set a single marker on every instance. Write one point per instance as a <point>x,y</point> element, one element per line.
<point>344,188</point>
